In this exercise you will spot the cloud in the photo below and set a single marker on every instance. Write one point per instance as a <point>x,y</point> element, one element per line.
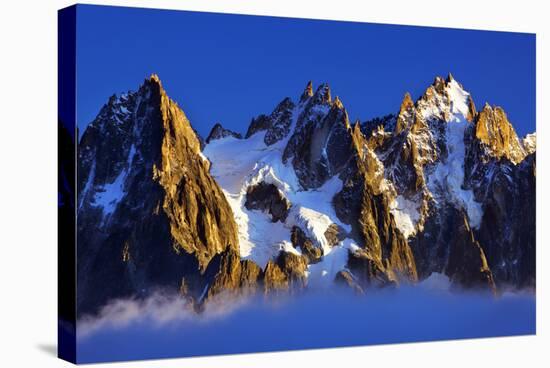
<point>164,326</point>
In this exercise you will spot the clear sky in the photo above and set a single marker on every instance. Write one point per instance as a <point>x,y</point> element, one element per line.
<point>230,68</point>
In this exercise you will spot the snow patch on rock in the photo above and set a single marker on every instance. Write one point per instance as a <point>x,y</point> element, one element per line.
<point>448,175</point>
<point>109,195</point>
<point>322,274</point>
<point>406,215</point>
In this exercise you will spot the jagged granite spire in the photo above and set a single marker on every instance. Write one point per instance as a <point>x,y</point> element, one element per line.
<point>308,92</point>
<point>276,125</point>
<point>218,132</point>
<point>322,95</point>
<point>406,113</point>
<point>498,135</point>
<point>142,182</point>
<point>337,103</point>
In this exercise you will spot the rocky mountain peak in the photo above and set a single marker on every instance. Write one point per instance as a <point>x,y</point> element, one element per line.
<point>357,127</point>
<point>449,78</point>
<point>143,161</point>
<point>154,78</point>
<point>319,144</point>
<point>308,92</point>
<point>406,104</point>
<point>497,135</point>
<point>439,84</point>
<point>406,113</point>
<point>277,125</point>
<point>218,132</point>
<point>446,101</point>
<point>472,111</point>
<point>322,95</point>
<point>152,85</point>
<point>337,103</point>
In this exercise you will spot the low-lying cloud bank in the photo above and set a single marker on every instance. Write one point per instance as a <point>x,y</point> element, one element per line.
<point>163,326</point>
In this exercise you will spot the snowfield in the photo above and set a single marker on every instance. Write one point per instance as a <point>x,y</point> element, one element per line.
<point>240,163</point>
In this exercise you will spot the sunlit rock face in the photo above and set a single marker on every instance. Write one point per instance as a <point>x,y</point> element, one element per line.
<point>497,136</point>
<point>305,201</point>
<point>150,215</point>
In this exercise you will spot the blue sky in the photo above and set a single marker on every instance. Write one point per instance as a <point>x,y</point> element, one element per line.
<point>230,68</point>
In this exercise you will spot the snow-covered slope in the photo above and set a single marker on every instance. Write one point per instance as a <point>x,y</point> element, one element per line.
<point>238,164</point>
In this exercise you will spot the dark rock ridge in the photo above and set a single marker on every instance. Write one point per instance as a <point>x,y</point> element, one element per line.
<point>267,197</point>
<point>319,146</point>
<point>218,132</point>
<point>276,125</point>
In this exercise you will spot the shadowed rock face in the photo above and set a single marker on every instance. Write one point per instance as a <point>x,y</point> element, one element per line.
<point>149,213</point>
<point>507,231</point>
<point>218,132</point>
<point>66,222</point>
<point>467,265</point>
<point>319,146</point>
<point>502,175</point>
<point>367,270</point>
<point>347,279</point>
<point>267,197</point>
<point>258,124</point>
<point>276,125</point>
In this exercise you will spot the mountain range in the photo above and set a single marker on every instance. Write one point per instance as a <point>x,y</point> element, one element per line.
<point>304,199</point>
